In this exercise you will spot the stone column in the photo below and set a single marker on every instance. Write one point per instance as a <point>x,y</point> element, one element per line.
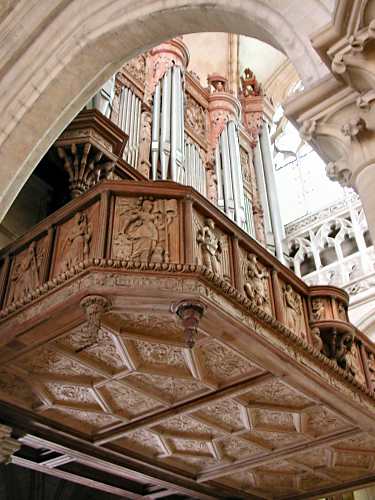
<point>273,200</point>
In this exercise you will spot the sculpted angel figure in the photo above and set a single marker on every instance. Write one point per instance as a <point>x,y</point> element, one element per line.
<point>25,277</point>
<point>352,362</point>
<point>141,230</point>
<point>256,286</point>
<point>77,244</point>
<point>211,246</point>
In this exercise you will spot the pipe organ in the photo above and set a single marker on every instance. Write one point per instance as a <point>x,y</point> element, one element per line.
<point>193,134</point>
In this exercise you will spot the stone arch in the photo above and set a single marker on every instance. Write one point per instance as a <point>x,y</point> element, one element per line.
<point>57,54</point>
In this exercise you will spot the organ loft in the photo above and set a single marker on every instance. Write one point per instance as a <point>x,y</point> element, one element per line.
<point>154,342</point>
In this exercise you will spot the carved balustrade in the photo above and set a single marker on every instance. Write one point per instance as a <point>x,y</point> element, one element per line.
<point>163,227</point>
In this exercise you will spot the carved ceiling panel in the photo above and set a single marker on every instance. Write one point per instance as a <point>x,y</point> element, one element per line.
<point>234,418</point>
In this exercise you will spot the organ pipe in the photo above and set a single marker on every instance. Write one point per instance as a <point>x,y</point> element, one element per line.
<point>130,117</point>
<point>168,127</point>
<point>194,169</point>
<point>231,197</point>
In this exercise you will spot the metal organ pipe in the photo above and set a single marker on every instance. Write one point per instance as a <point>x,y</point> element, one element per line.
<point>239,196</point>
<point>227,175</point>
<point>168,143</point>
<point>194,170</point>
<point>129,122</point>
<point>165,125</point>
<point>231,198</point>
<point>155,131</point>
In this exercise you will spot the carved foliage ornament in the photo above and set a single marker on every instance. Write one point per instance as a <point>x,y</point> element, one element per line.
<point>136,67</point>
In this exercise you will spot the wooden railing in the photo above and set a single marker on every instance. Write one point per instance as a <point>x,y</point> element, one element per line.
<point>166,227</point>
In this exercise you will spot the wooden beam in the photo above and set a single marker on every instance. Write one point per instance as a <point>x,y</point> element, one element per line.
<point>74,478</point>
<point>188,407</point>
<point>269,457</point>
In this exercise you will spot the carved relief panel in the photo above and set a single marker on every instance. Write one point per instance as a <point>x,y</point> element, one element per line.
<point>320,308</point>
<point>354,362</point>
<point>76,239</point>
<point>294,311</point>
<point>371,368</point>
<point>146,230</point>
<point>256,279</point>
<point>211,246</point>
<point>136,68</point>
<point>26,272</point>
<point>195,118</point>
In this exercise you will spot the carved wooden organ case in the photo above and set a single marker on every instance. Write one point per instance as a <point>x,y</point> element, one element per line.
<point>141,326</point>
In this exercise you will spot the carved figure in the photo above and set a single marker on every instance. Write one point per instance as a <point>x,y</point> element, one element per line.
<point>316,339</point>
<point>145,229</point>
<point>145,143</point>
<point>76,247</point>
<point>25,277</point>
<point>256,287</point>
<point>210,245</point>
<point>318,309</point>
<point>341,309</point>
<point>249,84</point>
<point>293,308</point>
<point>141,230</point>
<point>353,363</point>
<point>371,367</point>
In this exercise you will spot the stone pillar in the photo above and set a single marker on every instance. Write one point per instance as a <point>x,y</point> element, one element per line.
<point>273,200</point>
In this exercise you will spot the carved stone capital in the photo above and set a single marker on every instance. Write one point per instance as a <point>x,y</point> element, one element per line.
<point>8,445</point>
<point>190,311</point>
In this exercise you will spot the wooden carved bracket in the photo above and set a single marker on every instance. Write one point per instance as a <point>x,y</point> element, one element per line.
<point>94,306</point>
<point>190,312</point>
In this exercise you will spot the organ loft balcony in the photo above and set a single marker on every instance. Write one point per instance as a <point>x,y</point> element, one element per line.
<point>150,343</point>
<point>142,328</point>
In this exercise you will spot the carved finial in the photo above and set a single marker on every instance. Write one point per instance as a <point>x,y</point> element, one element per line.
<point>8,445</point>
<point>249,84</point>
<point>94,306</point>
<point>190,312</point>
